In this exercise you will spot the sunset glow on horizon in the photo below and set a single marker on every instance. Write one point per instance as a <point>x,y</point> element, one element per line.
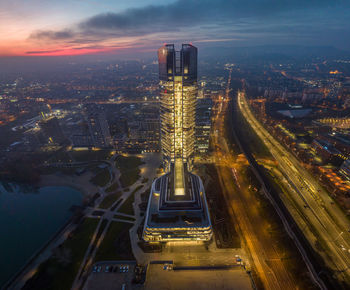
<point>52,27</point>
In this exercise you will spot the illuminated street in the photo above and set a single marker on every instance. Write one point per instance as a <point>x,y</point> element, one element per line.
<point>322,220</point>
<point>243,208</point>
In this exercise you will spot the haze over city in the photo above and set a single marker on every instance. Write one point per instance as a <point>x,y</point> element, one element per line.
<point>174,144</point>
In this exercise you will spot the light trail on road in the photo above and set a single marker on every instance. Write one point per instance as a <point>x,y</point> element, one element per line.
<point>243,208</point>
<point>325,220</point>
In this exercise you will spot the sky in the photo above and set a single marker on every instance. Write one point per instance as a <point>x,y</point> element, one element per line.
<point>75,27</point>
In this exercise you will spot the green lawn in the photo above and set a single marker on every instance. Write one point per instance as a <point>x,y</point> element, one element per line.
<point>100,230</point>
<point>101,178</point>
<point>116,243</point>
<point>127,207</point>
<point>109,200</point>
<point>59,271</point>
<point>113,187</point>
<point>128,162</point>
<point>129,169</point>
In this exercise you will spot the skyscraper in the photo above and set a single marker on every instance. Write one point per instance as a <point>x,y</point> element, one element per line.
<point>177,207</point>
<point>178,85</point>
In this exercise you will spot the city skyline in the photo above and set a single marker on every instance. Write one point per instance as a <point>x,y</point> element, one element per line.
<point>176,144</point>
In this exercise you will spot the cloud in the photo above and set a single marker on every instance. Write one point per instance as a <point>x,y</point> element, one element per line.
<point>201,18</point>
<point>193,12</point>
<point>52,35</point>
<point>44,51</point>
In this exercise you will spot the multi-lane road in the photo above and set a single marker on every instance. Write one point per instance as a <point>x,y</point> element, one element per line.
<point>266,257</point>
<point>322,220</point>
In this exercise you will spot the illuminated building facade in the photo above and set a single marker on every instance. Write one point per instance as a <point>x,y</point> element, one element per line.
<point>203,125</point>
<point>178,85</point>
<point>177,208</point>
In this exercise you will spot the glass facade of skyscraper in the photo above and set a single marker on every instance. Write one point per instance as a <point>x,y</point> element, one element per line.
<point>178,85</point>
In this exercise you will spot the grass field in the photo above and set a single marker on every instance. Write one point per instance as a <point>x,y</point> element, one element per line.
<point>109,200</point>
<point>129,169</point>
<point>113,187</point>
<point>127,207</point>
<point>101,178</point>
<point>59,271</point>
<point>116,243</point>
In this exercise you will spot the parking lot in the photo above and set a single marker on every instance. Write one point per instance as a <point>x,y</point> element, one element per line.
<point>115,275</point>
<point>166,275</point>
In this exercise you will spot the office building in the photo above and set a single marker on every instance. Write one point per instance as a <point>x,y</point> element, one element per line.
<point>178,85</point>
<point>203,125</point>
<point>177,208</point>
<point>52,130</point>
<point>98,126</point>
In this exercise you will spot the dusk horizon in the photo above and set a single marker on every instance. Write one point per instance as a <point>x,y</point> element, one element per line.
<point>78,28</point>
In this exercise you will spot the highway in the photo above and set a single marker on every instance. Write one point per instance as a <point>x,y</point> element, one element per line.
<point>322,221</point>
<point>265,255</point>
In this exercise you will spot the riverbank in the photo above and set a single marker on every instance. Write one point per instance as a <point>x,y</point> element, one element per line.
<point>34,217</point>
<point>38,257</point>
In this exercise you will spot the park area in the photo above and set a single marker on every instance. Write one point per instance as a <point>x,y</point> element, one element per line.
<point>59,271</point>
<point>129,169</point>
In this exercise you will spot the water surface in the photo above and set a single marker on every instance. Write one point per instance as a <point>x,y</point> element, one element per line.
<point>28,219</point>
